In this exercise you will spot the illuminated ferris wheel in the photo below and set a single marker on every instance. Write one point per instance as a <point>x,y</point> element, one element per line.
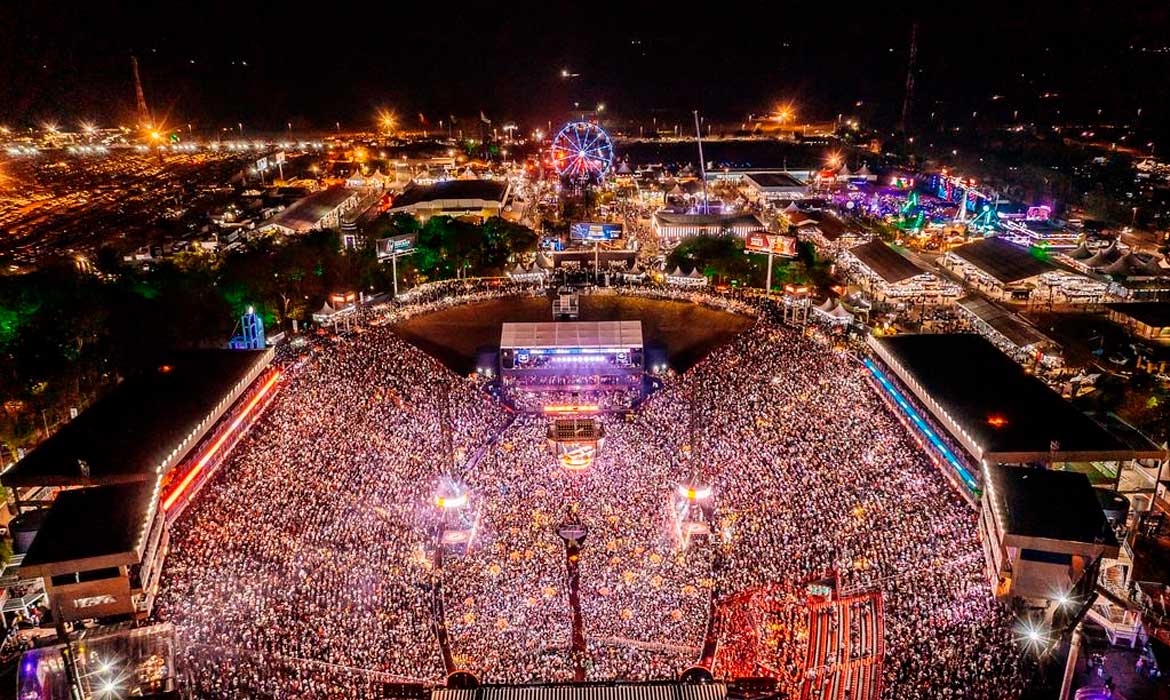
<point>582,151</point>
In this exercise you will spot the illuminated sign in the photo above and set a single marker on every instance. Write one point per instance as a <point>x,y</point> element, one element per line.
<point>395,245</point>
<point>585,231</point>
<point>1040,213</point>
<point>760,242</point>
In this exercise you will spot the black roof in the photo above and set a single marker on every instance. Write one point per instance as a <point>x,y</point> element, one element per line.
<point>1003,408</point>
<point>1003,260</point>
<point>886,262</point>
<point>1056,505</point>
<point>775,180</point>
<point>1151,313</point>
<point>452,189</point>
<point>92,522</point>
<point>127,434</point>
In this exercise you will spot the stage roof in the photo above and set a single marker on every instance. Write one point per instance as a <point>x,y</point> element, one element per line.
<point>134,429</point>
<point>572,334</point>
<point>1048,504</point>
<point>1005,261</point>
<point>886,262</point>
<point>90,528</point>
<point>994,408</point>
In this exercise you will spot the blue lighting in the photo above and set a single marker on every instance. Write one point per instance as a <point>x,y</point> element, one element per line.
<point>921,425</point>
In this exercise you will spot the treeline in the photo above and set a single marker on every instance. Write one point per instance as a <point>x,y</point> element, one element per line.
<point>65,334</point>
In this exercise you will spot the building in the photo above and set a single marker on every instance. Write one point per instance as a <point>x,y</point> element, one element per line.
<point>987,406</point>
<point>671,227</point>
<point>481,199</point>
<point>889,276</point>
<point>1148,320</point>
<point>1043,531</point>
<point>1009,332</point>
<point>771,186</point>
<point>129,465</point>
<point>1008,272</point>
<point>320,210</point>
<point>824,230</point>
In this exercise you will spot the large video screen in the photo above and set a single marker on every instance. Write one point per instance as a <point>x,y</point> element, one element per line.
<point>586,231</point>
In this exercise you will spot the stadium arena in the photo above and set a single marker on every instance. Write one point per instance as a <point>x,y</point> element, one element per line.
<point>761,522</point>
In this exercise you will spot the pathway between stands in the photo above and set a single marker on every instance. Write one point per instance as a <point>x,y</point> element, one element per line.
<point>579,652</point>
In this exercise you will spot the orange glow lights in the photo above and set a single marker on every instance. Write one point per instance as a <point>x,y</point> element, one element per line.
<point>218,444</point>
<point>694,493</point>
<point>449,502</point>
<point>997,421</point>
<point>572,408</point>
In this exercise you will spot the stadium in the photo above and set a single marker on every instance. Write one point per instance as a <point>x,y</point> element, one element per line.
<point>755,522</point>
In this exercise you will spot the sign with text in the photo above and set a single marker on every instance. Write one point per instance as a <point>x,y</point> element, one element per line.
<point>395,245</point>
<point>586,231</point>
<point>760,242</point>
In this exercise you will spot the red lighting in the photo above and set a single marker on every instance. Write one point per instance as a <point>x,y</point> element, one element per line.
<point>997,421</point>
<point>211,451</point>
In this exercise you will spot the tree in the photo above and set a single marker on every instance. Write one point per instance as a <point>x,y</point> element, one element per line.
<point>719,256</point>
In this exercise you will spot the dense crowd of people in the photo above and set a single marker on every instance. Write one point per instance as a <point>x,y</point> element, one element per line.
<point>309,568</point>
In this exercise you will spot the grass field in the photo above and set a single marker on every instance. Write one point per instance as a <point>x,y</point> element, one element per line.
<point>688,331</point>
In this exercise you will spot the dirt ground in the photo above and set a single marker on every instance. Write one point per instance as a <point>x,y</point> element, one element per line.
<point>688,331</point>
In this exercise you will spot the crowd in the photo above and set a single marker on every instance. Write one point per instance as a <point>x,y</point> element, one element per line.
<point>309,563</point>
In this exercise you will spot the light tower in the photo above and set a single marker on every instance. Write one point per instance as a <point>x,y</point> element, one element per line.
<point>144,118</point>
<point>693,500</point>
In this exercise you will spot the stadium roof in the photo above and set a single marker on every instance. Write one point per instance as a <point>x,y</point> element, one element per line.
<point>1018,331</point>
<point>1046,504</point>
<point>451,190</point>
<point>130,433</point>
<point>1003,260</point>
<point>999,412</point>
<point>886,262</point>
<point>307,213</point>
<point>775,180</point>
<point>669,218</point>
<point>90,528</point>
<point>572,334</point>
<point>1151,313</point>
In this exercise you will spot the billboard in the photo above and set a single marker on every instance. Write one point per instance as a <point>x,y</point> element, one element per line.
<point>760,242</point>
<point>395,245</point>
<point>588,231</point>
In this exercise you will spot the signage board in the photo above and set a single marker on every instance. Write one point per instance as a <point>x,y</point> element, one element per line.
<point>593,231</point>
<point>760,242</point>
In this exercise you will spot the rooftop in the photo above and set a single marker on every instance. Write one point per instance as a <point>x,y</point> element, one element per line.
<point>306,213</point>
<point>1010,415</point>
<point>886,262</point>
<point>485,190</point>
<point>1005,261</point>
<point>775,180</point>
<point>1018,331</point>
<point>90,524</point>
<point>1049,504</point>
<point>830,226</point>
<point>572,334</point>
<point>129,433</point>
<point>667,218</point>
<point>1151,313</point>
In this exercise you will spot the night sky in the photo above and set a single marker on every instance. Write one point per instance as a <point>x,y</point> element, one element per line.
<point>265,64</point>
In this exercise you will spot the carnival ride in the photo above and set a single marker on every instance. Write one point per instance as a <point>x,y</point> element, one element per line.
<point>582,151</point>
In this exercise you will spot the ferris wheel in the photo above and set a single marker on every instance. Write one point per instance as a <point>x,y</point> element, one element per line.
<point>582,151</point>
